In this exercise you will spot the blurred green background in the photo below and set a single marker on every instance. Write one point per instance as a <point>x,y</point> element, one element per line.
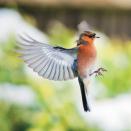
<point>31,103</point>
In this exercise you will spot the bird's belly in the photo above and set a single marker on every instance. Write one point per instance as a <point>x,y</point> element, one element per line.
<point>85,63</point>
<point>84,67</point>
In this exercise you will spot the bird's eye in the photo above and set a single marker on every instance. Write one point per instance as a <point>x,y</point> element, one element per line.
<point>92,35</point>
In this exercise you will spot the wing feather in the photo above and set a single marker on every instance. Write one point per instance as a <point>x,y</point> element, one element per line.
<point>54,63</point>
<point>47,73</point>
<point>56,72</point>
<point>34,60</point>
<point>53,71</point>
<point>36,64</point>
<point>65,73</point>
<point>44,67</point>
<point>61,72</point>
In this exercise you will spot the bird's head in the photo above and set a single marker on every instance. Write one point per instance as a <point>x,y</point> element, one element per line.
<point>87,37</point>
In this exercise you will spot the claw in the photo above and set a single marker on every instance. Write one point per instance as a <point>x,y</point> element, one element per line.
<point>98,72</point>
<point>103,69</point>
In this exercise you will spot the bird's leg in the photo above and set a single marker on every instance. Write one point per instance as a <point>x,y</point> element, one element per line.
<point>98,72</point>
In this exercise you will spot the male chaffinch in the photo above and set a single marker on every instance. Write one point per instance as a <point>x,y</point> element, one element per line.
<point>58,63</point>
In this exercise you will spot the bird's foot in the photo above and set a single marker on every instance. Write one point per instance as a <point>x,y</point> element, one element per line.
<point>98,72</point>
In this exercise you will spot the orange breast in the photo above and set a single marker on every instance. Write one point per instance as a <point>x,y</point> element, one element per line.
<point>86,58</point>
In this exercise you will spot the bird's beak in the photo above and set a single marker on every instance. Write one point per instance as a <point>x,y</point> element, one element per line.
<point>94,36</point>
<point>97,37</point>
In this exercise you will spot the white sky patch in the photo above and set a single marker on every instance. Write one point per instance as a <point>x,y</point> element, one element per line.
<point>21,95</point>
<point>11,22</point>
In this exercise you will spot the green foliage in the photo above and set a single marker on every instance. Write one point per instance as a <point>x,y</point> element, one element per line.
<point>11,69</point>
<point>14,118</point>
<point>61,36</point>
<point>116,58</point>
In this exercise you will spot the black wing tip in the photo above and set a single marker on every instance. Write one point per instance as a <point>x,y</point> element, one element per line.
<point>58,47</point>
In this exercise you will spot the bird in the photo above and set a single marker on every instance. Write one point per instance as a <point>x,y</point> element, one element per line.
<point>61,64</point>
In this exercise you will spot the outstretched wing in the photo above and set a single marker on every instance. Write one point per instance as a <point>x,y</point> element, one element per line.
<point>54,63</point>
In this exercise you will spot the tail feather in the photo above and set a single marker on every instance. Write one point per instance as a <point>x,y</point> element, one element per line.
<point>83,94</point>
